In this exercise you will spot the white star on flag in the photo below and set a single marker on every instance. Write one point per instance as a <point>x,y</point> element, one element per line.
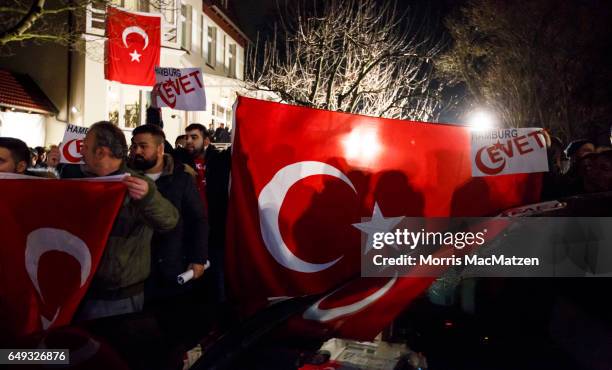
<point>135,56</point>
<point>377,224</point>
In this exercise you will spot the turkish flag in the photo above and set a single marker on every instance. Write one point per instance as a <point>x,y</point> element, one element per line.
<point>298,188</point>
<point>133,47</point>
<point>52,236</point>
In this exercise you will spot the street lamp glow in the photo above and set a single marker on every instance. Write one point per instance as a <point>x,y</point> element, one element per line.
<point>362,145</point>
<point>481,120</point>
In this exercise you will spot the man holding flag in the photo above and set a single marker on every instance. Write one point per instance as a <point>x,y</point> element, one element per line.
<point>118,285</point>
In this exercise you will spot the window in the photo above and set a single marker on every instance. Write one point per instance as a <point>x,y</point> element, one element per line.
<point>166,8</point>
<point>124,105</point>
<point>228,117</point>
<point>224,53</point>
<point>196,30</point>
<point>211,44</point>
<point>186,27</point>
<point>232,61</point>
<point>202,40</point>
<point>221,114</point>
<point>136,5</point>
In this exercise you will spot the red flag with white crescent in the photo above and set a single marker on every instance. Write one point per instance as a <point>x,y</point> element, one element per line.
<point>133,47</point>
<point>298,191</point>
<point>53,233</point>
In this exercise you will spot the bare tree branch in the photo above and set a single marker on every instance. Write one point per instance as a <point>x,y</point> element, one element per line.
<point>348,55</point>
<point>535,63</point>
<point>35,12</point>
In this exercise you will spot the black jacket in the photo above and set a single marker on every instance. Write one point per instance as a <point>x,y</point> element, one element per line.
<point>188,241</point>
<point>217,183</point>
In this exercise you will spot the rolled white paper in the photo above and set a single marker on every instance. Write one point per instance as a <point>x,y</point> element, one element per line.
<point>188,275</point>
<point>185,277</point>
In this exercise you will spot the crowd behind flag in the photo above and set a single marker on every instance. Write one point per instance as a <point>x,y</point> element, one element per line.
<point>296,196</point>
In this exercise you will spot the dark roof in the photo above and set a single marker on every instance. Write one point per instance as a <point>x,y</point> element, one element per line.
<point>19,91</point>
<point>226,18</point>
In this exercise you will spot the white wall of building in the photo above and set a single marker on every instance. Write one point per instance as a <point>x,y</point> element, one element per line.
<point>25,126</point>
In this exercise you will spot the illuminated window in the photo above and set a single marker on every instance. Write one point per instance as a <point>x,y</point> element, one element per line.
<point>232,61</point>
<point>186,26</point>
<point>202,39</point>
<point>211,46</point>
<point>124,104</point>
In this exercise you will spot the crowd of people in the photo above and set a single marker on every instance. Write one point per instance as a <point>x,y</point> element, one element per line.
<point>172,221</point>
<point>174,217</point>
<point>577,168</point>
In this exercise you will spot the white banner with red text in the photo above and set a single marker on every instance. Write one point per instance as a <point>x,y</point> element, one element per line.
<point>179,88</point>
<point>70,148</point>
<point>508,151</point>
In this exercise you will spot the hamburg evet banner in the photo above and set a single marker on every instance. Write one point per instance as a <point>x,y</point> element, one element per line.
<point>179,88</point>
<point>507,151</point>
<point>300,191</point>
<point>70,148</point>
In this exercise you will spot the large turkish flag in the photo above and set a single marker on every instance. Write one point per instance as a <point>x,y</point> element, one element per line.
<point>52,236</point>
<point>302,177</point>
<point>133,47</point>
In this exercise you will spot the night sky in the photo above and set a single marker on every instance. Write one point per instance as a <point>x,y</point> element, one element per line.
<point>253,13</point>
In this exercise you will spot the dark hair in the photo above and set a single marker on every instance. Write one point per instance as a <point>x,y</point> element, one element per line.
<point>154,117</point>
<point>573,147</point>
<point>110,136</point>
<point>40,150</point>
<point>154,130</point>
<point>18,149</point>
<point>199,127</point>
<point>180,137</point>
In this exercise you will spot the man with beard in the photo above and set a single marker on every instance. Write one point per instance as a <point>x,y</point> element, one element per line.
<point>212,167</point>
<point>186,246</point>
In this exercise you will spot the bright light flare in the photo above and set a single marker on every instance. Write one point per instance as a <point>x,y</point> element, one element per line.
<point>481,120</point>
<point>362,145</point>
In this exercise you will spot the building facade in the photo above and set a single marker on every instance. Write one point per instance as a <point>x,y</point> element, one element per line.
<point>195,33</point>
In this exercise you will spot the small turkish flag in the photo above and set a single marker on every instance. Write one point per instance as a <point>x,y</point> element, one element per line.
<point>133,47</point>
<point>52,236</point>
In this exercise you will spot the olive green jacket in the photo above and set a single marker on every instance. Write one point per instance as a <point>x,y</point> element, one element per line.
<point>126,261</point>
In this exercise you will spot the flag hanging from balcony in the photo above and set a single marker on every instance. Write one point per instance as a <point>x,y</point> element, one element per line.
<point>133,47</point>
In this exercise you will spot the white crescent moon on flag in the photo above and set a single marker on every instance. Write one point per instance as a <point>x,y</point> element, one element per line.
<point>135,29</point>
<point>43,240</point>
<point>270,201</point>
<point>324,315</point>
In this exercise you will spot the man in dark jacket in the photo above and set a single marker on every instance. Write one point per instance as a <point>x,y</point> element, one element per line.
<point>118,284</point>
<point>222,134</point>
<point>186,246</point>
<point>212,167</point>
